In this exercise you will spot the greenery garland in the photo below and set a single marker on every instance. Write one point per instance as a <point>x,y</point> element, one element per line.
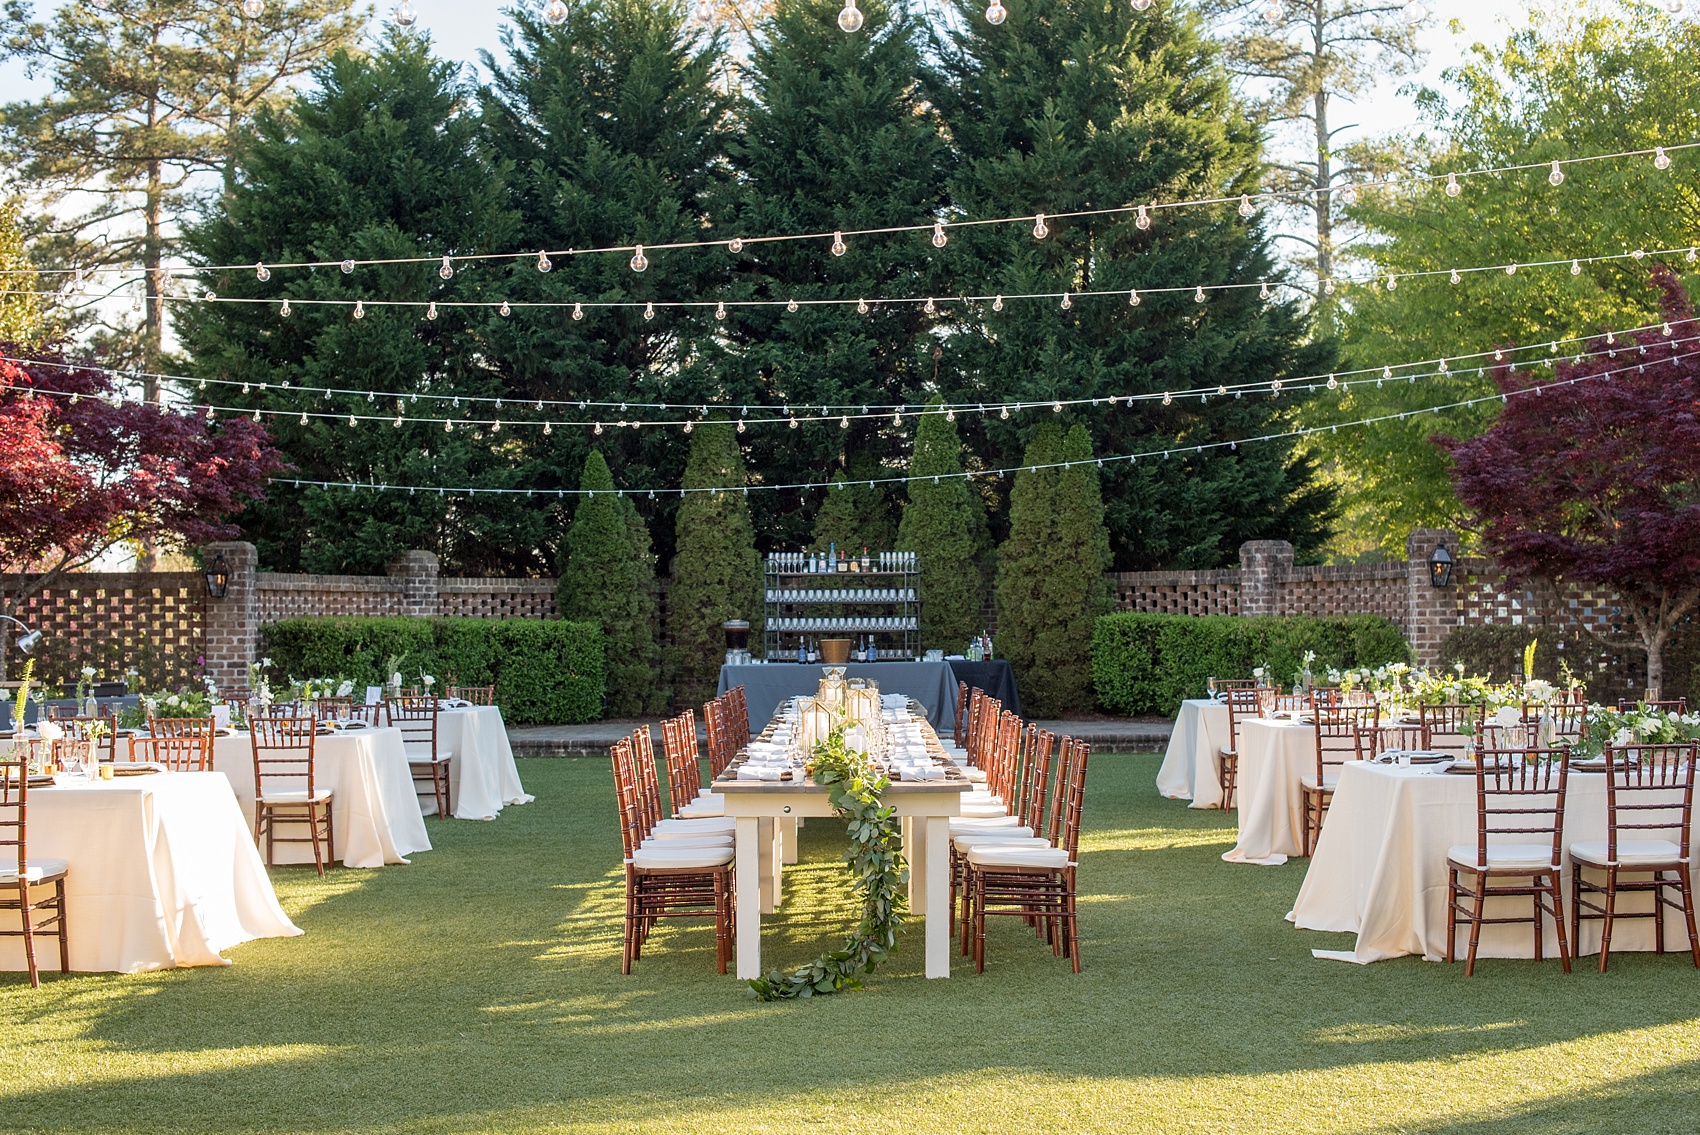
<point>877,871</point>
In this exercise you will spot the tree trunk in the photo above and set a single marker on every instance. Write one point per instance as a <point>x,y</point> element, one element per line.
<point>153,326</point>
<point>1323,203</point>
<point>1655,643</point>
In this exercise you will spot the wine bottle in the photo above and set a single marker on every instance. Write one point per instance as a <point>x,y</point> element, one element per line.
<point>865,566</point>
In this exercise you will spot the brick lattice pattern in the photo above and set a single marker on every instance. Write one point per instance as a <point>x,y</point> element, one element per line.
<point>113,621</point>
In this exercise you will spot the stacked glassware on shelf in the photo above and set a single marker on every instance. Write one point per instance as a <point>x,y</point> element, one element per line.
<point>871,598</point>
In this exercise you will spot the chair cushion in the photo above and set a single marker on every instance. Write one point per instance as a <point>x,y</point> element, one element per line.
<point>1629,852</point>
<point>297,797</point>
<point>991,855</point>
<point>1329,783</point>
<point>977,775</point>
<point>981,823</point>
<point>1504,856</point>
<point>1227,752</point>
<point>707,825</point>
<point>425,761</point>
<point>35,870</point>
<point>997,835</point>
<point>707,797</point>
<point>697,810</point>
<point>688,841</point>
<point>665,858</point>
<point>976,796</point>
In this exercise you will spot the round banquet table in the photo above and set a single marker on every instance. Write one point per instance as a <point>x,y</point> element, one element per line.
<point>1189,763</point>
<point>1379,870</point>
<point>1274,755</point>
<point>482,776</point>
<point>374,808</point>
<point>162,873</point>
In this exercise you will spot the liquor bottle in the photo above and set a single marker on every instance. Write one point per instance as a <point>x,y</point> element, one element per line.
<point>855,564</point>
<point>843,564</point>
<point>802,650</point>
<point>865,566</point>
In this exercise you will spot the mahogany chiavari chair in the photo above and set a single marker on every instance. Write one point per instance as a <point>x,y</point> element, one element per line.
<point>1649,813</point>
<point>416,717</point>
<point>684,771</point>
<point>657,824</point>
<point>1029,822</point>
<point>22,877</point>
<point>1242,703</point>
<point>1679,705</point>
<point>1035,881</point>
<point>1561,719</point>
<point>1329,696</point>
<point>178,744</point>
<point>477,695</point>
<point>1519,840</point>
<point>1221,685</point>
<point>1388,737</point>
<point>1451,726</point>
<point>959,724</point>
<point>286,787</point>
<point>102,731</point>
<point>738,702</point>
<point>1270,701</point>
<point>721,748</point>
<point>678,879</point>
<point>1337,728</point>
<point>332,708</point>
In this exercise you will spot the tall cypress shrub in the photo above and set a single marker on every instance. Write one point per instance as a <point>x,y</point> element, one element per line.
<point>608,578</point>
<point>1051,587</point>
<point>854,515</point>
<point>944,525</point>
<point>716,575</point>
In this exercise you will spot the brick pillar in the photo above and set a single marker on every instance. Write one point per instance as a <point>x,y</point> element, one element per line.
<point>1263,564</point>
<point>417,574</point>
<point>232,632</point>
<point>1431,612</point>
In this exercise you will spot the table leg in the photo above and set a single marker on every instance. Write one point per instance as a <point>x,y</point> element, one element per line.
<point>769,864</point>
<point>747,834</point>
<point>915,851</point>
<point>937,859</point>
<point>788,830</point>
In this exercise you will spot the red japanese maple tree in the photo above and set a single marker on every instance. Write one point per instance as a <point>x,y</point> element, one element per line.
<point>1596,478</point>
<point>83,468</point>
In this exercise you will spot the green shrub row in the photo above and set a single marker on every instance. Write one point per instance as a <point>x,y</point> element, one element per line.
<point>546,671</point>
<point>1149,663</point>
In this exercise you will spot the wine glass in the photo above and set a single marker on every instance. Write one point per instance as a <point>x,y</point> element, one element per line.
<point>1210,684</point>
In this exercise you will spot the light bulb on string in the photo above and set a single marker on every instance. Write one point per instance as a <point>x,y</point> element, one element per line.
<point>1141,5</point>
<point>862,307</point>
<point>720,310</point>
<point>1246,209</point>
<point>1133,299</point>
<point>1040,229</point>
<point>1415,12</point>
<point>1661,160</point>
<point>360,309</point>
<point>578,311</point>
<point>1333,383</point>
<point>997,303</point>
<point>1575,267</point>
<point>950,415</point>
<point>689,425</point>
<point>405,14</point>
<point>1511,269</point>
<point>1263,291</point>
<point>791,304</point>
<point>253,9</point>
<point>543,262</point>
<point>649,310</point>
<point>939,238</point>
<point>1168,399</point>
<point>431,310</point>
<point>447,270</point>
<point>136,302</point>
<point>1556,177</point>
<point>303,417</point>
<point>347,267</point>
<point>844,422</point>
<point>351,420</point>
<point>1453,189</point>
<point>1673,7</point>
<point>1386,372</point>
<point>1056,407</point>
<point>1498,355</point>
<point>1067,302</point>
<point>548,427</point>
<point>397,422</point>
<point>996,13</point>
<point>850,18</point>
<point>1005,414</point>
<point>793,421</point>
<point>639,261</point>
<point>1328,286</point>
<point>1198,294</point>
<point>597,429</point>
<point>504,311</point>
<point>839,248</point>
<point>1455,277</point>
<point>262,273</point>
<point>929,307</point>
<point>556,13</point>
<point>1273,11</point>
<point>1392,283</point>
<point>283,309</point>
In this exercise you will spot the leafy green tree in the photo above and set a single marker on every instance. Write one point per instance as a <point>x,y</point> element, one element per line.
<point>1561,87</point>
<point>21,316</point>
<point>944,524</point>
<point>614,125</point>
<point>380,159</point>
<point>716,574</point>
<point>854,514</point>
<point>1051,587</point>
<point>148,95</point>
<point>1073,105</point>
<point>833,135</point>
<point>608,578</point>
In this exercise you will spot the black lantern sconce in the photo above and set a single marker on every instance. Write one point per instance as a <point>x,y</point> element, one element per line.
<point>218,576</point>
<point>1440,567</point>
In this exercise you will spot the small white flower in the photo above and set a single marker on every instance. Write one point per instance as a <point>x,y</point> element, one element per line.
<point>345,689</point>
<point>266,662</point>
<point>1623,737</point>
<point>395,678</point>
<point>172,700</point>
<point>87,671</point>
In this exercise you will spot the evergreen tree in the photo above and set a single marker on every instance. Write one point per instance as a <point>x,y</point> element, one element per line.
<point>608,577</point>
<point>855,515</point>
<point>1051,586</point>
<point>1088,104</point>
<point>378,160</point>
<point>614,124</point>
<point>833,136</point>
<point>944,525</point>
<point>716,574</point>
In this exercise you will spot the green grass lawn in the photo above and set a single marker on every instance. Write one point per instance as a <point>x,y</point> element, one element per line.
<point>479,990</point>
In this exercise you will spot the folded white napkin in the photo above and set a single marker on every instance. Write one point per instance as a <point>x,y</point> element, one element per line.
<point>764,773</point>
<point>924,772</point>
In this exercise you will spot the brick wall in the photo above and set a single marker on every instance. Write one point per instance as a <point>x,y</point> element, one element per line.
<point>1178,592</point>
<point>113,621</point>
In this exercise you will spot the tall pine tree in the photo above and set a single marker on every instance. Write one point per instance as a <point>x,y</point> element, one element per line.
<point>1088,104</point>
<point>716,574</point>
<point>1051,586</point>
<point>833,136</point>
<point>944,525</point>
<point>380,159</point>
<point>608,578</point>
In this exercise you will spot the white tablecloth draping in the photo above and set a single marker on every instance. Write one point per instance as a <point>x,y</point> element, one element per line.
<point>1189,764</point>
<point>374,809</point>
<point>162,873</point>
<point>482,776</point>
<point>1273,756</point>
<point>1380,869</point>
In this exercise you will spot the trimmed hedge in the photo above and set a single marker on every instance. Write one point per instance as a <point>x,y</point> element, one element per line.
<point>546,671</point>
<point>1149,663</point>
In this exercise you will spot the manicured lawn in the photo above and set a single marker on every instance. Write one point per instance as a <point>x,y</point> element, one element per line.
<point>479,990</point>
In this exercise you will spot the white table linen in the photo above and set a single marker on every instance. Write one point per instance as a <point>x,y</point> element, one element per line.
<point>1380,870</point>
<point>1274,755</point>
<point>1190,762</point>
<point>162,873</point>
<point>374,809</point>
<point>482,776</point>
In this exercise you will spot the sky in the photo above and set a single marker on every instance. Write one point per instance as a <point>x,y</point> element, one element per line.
<point>461,28</point>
